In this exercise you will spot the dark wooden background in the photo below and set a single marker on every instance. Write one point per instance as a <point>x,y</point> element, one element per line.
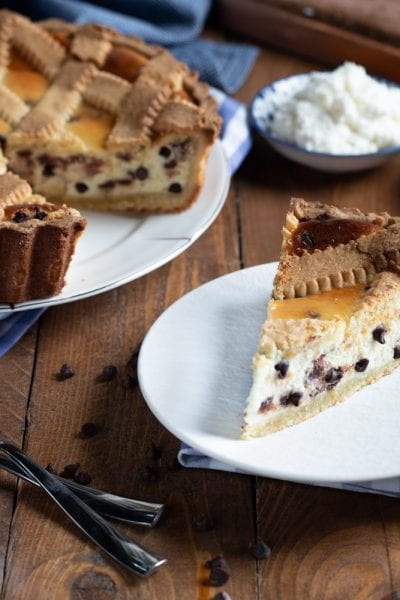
<point>325,543</point>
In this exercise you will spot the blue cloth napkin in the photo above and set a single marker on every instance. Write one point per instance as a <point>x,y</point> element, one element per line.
<point>173,23</point>
<point>236,141</point>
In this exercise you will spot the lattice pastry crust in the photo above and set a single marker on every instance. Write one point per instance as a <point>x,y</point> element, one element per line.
<point>102,120</point>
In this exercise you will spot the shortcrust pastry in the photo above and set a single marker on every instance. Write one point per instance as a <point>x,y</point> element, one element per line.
<point>37,241</point>
<point>334,320</point>
<point>101,120</point>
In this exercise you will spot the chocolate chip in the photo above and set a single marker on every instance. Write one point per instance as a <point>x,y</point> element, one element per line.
<point>48,170</point>
<point>361,365</point>
<point>149,474</point>
<point>129,382</point>
<point>175,188</point>
<point>40,214</point>
<point>306,240</point>
<point>79,158</point>
<point>171,164</point>
<point>142,173</point>
<point>83,478</point>
<point>70,470</point>
<point>20,216</point>
<point>51,469</point>
<point>24,153</point>
<point>107,185</point>
<point>396,352</point>
<point>43,159</point>
<point>323,217</point>
<point>265,405</point>
<point>3,142</point>
<point>379,334</point>
<point>154,452</point>
<point>292,398</point>
<point>81,187</point>
<point>260,550</point>
<point>108,374</point>
<point>218,577</point>
<point>124,181</point>
<point>88,430</point>
<point>282,368</point>
<point>221,596</point>
<point>333,377</point>
<point>126,156</point>
<point>66,372</point>
<point>164,151</point>
<point>203,522</point>
<point>216,562</point>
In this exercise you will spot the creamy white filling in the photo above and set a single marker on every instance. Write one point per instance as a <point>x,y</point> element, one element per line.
<point>344,354</point>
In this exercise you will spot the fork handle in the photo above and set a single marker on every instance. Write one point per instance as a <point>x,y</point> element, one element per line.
<point>122,549</point>
<point>135,512</point>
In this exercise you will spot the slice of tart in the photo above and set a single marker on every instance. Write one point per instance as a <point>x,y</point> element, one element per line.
<point>100,120</point>
<point>37,241</point>
<point>334,321</point>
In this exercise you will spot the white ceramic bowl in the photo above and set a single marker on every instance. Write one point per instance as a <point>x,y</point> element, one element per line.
<point>261,112</point>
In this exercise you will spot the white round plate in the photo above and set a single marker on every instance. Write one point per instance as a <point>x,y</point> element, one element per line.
<point>194,372</point>
<point>118,248</point>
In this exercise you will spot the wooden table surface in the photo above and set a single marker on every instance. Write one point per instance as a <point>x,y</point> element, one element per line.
<point>326,544</point>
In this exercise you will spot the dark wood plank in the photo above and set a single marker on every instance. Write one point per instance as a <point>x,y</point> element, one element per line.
<point>48,556</point>
<point>15,380</point>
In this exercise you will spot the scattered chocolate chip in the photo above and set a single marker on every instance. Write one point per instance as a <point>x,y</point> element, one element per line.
<point>203,522</point>
<point>83,478</point>
<point>66,372</point>
<point>174,464</point>
<point>88,430</point>
<point>107,185</point>
<point>24,153</point>
<point>396,352</point>
<point>221,596</point>
<point>171,164</point>
<point>20,216</point>
<point>367,288</point>
<point>108,374</point>
<point>361,365</point>
<point>3,142</point>
<point>292,398</point>
<point>81,187</point>
<point>260,550</point>
<point>265,405</point>
<point>149,474</point>
<point>51,469</point>
<point>164,151</point>
<point>333,377</point>
<point>379,334</point>
<point>40,214</point>
<point>217,561</point>
<point>175,188</point>
<point>79,158</point>
<point>306,240</point>
<point>129,382</point>
<point>70,470</point>
<point>282,368</point>
<point>154,452</point>
<point>124,181</point>
<point>318,367</point>
<point>142,173</point>
<point>43,159</point>
<point>48,170</point>
<point>314,315</point>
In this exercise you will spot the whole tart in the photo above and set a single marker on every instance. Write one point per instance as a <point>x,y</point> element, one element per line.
<point>334,320</point>
<point>37,241</point>
<point>102,120</point>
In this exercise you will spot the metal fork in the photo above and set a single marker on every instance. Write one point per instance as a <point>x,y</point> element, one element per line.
<point>128,553</point>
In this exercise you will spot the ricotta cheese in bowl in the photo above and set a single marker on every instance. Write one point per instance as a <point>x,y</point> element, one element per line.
<point>339,120</point>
